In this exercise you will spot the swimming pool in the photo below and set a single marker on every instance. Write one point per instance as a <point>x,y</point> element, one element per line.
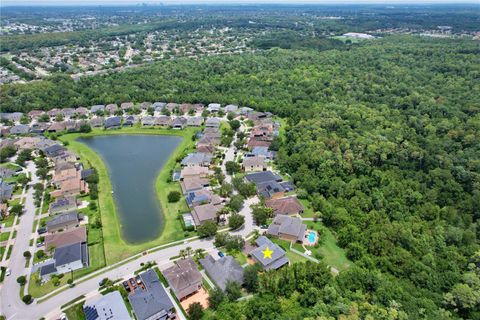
<point>312,235</point>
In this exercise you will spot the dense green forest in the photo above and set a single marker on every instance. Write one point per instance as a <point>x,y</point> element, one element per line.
<point>383,138</point>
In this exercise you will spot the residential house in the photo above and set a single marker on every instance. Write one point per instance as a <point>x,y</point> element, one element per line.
<point>194,121</point>
<point>191,184</point>
<point>67,112</point>
<point>111,108</point>
<point>107,307</point>
<point>54,150</point>
<point>231,108</point>
<point>20,129</point>
<point>179,123</point>
<point>203,196</point>
<point>163,121</point>
<point>183,277</point>
<point>63,221</point>
<point>129,121</point>
<point>96,122</point>
<point>264,176</point>
<point>223,270</point>
<point>205,212</point>
<point>113,123</point>
<point>6,191</point>
<point>214,107</point>
<point>6,173</point>
<point>67,259</point>
<point>270,189</point>
<point>258,142</point>
<point>158,106</point>
<point>62,205</point>
<point>126,106</point>
<point>194,171</point>
<point>185,108</point>
<point>262,152</point>
<point>151,302</point>
<point>268,254</point>
<point>245,110</point>
<point>26,142</point>
<point>34,114</point>
<point>97,108</point>
<point>60,239</point>
<point>197,159</point>
<point>287,228</point>
<point>171,106</point>
<point>145,105</point>
<point>52,113</point>
<point>81,111</point>
<point>285,206</point>
<point>39,127</point>
<point>148,121</point>
<point>212,123</point>
<point>251,164</point>
<point>57,127</point>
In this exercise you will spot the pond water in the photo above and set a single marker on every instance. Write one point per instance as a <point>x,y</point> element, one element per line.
<point>133,163</point>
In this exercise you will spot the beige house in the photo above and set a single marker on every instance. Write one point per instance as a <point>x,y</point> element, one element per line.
<point>252,164</point>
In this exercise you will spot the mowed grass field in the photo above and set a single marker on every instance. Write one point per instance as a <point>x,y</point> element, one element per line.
<point>116,248</point>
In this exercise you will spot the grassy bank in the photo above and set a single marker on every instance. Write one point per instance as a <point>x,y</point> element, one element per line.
<point>116,248</point>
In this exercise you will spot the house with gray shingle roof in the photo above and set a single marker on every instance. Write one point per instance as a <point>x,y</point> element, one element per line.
<point>223,270</point>
<point>64,220</point>
<point>287,228</point>
<point>113,122</point>
<point>274,260</point>
<point>6,191</point>
<point>212,123</point>
<point>97,108</point>
<point>152,301</point>
<point>66,259</point>
<point>197,159</point>
<point>20,129</point>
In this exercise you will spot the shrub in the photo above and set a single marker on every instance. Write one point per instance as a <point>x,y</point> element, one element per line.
<point>174,196</point>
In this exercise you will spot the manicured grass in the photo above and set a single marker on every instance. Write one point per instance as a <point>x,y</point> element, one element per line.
<point>75,312</point>
<point>8,221</point>
<point>116,248</point>
<point>307,209</point>
<point>333,255</point>
<point>4,236</point>
<point>240,257</point>
<point>295,257</point>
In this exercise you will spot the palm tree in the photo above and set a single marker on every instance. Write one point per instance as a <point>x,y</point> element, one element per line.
<point>189,251</point>
<point>182,253</point>
<point>199,254</point>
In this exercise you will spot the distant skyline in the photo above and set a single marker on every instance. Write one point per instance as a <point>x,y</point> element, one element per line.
<point>220,2</point>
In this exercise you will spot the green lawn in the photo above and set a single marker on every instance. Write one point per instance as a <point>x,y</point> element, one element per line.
<point>4,236</point>
<point>8,220</point>
<point>307,209</point>
<point>116,248</point>
<point>240,257</point>
<point>295,257</point>
<point>75,312</point>
<point>333,255</point>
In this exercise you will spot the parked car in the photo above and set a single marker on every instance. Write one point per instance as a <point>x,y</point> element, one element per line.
<point>126,286</point>
<point>42,230</point>
<point>8,272</point>
<point>221,254</point>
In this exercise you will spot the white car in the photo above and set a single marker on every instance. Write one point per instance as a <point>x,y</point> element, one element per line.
<point>8,272</point>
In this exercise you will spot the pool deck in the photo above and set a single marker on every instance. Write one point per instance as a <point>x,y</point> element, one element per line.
<point>306,240</point>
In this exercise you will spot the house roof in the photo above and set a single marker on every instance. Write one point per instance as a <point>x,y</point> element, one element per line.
<point>194,121</point>
<point>63,218</point>
<point>113,122</point>
<point>182,275</point>
<point>70,253</point>
<point>261,177</point>
<point>197,158</point>
<point>205,212</point>
<point>195,170</point>
<point>19,129</point>
<point>278,258</point>
<point>107,307</point>
<point>288,205</point>
<point>193,183</point>
<point>269,188</point>
<point>223,270</point>
<point>153,301</point>
<point>212,122</point>
<point>254,162</point>
<point>126,105</point>
<point>98,107</point>
<point>60,239</point>
<point>286,225</point>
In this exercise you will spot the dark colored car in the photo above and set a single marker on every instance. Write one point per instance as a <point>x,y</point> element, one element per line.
<point>221,254</point>
<point>42,230</point>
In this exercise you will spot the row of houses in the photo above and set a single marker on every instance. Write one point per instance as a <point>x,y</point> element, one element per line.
<point>65,232</point>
